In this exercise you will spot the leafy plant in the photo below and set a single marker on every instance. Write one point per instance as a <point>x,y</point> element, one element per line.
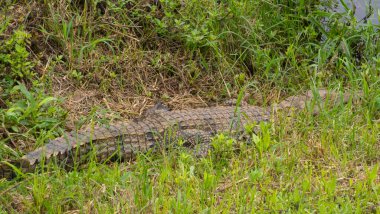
<point>14,56</point>
<point>29,113</point>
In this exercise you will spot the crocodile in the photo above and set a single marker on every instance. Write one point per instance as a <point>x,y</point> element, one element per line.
<point>159,125</point>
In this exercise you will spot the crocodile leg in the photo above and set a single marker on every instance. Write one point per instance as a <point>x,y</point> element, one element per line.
<point>197,139</point>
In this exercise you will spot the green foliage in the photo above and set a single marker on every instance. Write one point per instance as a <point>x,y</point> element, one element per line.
<point>32,110</point>
<point>289,38</point>
<point>14,56</point>
<point>28,114</point>
<point>264,141</point>
<point>234,26</point>
<point>223,147</point>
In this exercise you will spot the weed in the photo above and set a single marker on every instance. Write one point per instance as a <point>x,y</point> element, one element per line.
<point>14,57</point>
<point>30,114</point>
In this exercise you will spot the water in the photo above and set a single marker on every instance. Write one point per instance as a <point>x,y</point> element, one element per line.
<point>365,10</point>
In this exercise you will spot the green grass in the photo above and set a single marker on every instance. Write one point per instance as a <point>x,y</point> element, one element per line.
<point>64,65</point>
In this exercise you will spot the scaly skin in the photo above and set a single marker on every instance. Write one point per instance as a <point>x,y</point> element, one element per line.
<point>124,139</point>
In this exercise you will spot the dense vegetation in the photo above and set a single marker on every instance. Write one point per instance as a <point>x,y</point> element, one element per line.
<point>69,64</point>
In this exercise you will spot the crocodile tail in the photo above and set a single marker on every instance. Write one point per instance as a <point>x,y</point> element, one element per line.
<point>66,150</point>
<point>56,148</point>
<point>321,97</point>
